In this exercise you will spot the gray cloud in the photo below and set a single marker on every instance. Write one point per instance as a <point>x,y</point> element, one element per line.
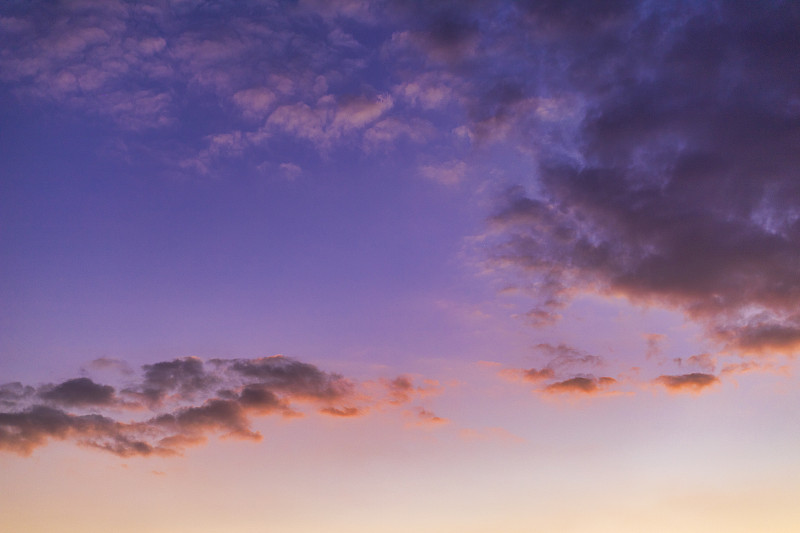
<point>79,392</point>
<point>678,186</point>
<point>694,382</point>
<point>178,404</point>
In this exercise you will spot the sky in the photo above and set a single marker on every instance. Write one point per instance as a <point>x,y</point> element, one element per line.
<point>355,266</point>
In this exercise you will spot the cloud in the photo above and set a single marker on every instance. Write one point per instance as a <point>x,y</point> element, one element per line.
<point>694,382</point>
<point>388,130</point>
<point>14,393</point>
<point>535,375</point>
<point>184,378</point>
<point>426,417</point>
<point>402,389</point>
<point>301,380</point>
<point>291,171</point>
<point>581,385</point>
<point>181,402</point>
<point>79,392</point>
<point>330,120</point>
<point>563,355</point>
<point>431,90</point>
<point>254,102</point>
<point>704,361</point>
<point>654,344</point>
<point>343,412</point>
<point>450,173</point>
<point>22,432</point>
<point>676,184</point>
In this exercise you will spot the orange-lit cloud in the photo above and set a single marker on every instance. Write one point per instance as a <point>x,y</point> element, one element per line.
<point>694,382</point>
<point>582,385</point>
<point>188,400</point>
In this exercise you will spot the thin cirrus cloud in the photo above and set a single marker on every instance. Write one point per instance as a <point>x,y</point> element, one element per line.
<point>178,404</point>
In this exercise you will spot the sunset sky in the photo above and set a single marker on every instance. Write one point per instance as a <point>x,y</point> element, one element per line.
<point>355,266</point>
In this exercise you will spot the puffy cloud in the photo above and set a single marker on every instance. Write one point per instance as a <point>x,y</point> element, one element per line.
<point>677,185</point>
<point>21,432</point>
<point>79,392</point>
<point>254,102</point>
<point>184,378</point>
<point>183,401</point>
<point>13,393</point>
<point>300,380</point>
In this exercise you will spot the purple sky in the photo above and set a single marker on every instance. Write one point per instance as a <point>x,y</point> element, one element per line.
<point>212,212</point>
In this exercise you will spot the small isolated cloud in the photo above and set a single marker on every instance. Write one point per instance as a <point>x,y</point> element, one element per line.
<point>402,389</point>
<point>694,382</point>
<point>291,171</point>
<point>450,173</point>
<point>654,344</point>
<point>426,417</point>
<point>535,375</point>
<point>703,361</point>
<point>342,412</point>
<point>581,385</point>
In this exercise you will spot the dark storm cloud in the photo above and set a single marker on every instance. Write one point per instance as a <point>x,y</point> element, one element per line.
<point>693,382</point>
<point>680,185</point>
<point>182,402</point>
